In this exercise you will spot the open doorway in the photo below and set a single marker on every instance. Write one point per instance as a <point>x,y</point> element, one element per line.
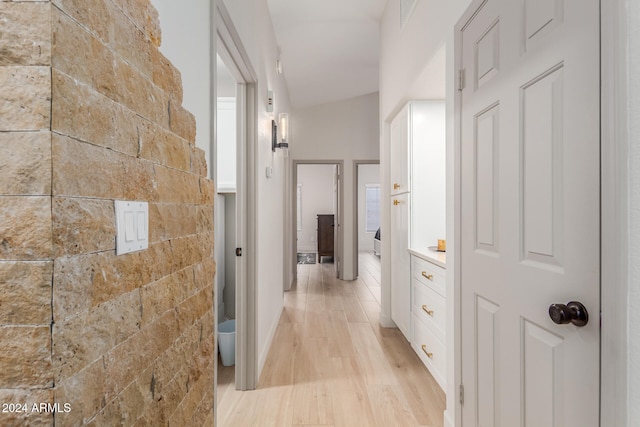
<point>367,224</point>
<point>318,211</point>
<point>316,205</point>
<point>226,220</point>
<point>233,158</point>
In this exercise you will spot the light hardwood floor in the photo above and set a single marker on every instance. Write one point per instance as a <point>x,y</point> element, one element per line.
<point>331,363</point>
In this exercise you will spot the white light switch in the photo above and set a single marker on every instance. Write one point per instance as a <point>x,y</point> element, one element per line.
<point>142,225</point>
<point>132,226</point>
<point>129,226</point>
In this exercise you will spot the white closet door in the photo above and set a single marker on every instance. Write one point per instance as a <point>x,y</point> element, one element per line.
<point>530,212</point>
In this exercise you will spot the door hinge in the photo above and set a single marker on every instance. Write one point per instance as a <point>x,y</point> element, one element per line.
<point>460,79</point>
<point>461,397</point>
<point>238,251</point>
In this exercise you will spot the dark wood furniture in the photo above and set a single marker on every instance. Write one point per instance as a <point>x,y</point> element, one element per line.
<point>325,236</point>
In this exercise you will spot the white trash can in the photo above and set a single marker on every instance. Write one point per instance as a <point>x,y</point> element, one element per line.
<point>227,342</point>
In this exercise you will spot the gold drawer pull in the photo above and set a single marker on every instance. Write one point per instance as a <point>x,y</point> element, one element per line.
<point>426,310</point>
<point>396,202</point>
<point>396,186</point>
<point>427,276</point>
<point>429,355</point>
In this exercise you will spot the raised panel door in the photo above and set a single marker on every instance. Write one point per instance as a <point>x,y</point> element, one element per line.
<point>529,208</point>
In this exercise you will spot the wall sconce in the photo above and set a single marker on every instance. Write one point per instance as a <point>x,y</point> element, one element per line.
<point>284,133</point>
<point>284,129</point>
<point>274,135</point>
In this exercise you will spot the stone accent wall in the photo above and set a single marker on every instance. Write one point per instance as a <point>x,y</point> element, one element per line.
<point>26,240</point>
<point>90,112</point>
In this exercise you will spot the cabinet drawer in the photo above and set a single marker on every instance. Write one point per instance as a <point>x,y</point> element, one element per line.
<point>429,306</point>
<point>429,274</point>
<point>430,350</point>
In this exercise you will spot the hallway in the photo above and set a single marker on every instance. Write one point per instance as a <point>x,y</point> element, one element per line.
<point>332,364</point>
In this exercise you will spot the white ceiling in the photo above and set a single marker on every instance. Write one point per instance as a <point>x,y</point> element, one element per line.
<point>329,49</point>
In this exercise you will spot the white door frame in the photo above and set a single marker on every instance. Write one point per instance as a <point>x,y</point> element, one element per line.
<point>227,43</point>
<point>614,399</point>
<point>356,242</point>
<point>339,244</point>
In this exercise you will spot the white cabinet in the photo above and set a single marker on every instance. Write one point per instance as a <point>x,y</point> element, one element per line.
<point>417,170</point>
<point>400,264</point>
<point>428,321</point>
<point>417,166</point>
<point>226,145</point>
<point>399,151</point>
<point>428,173</point>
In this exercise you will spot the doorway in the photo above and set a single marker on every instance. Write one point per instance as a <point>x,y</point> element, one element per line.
<point>318,210</point>
<point>234,89</point>
<point>226,220</point>
<point>366,232</point>
<point>366,236</point>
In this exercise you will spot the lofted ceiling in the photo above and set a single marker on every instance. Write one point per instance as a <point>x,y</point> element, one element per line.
<point>329,49</point>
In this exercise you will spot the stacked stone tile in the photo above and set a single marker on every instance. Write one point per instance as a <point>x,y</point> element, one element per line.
<point>90,112</point>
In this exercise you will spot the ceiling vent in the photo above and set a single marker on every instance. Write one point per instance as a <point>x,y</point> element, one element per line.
<point>406,9</point>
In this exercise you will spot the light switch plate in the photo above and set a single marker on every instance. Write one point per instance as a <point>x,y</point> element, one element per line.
<point>132,226</point>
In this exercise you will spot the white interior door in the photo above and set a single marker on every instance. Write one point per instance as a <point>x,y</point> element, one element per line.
<point>529,211</point>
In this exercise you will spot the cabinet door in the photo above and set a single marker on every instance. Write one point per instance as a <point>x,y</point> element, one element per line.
<point>428,173</point>
<point>399,152</point>
<point>400,264</point>
<point>325,235</point>
<point>226,134</point>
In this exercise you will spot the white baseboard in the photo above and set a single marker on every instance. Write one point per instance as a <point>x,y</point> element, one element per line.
<point>386,322</point>
<point>264,352</point>
<point>449,420</point>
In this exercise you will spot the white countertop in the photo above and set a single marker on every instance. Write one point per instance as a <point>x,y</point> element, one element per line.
<point>430,255</point>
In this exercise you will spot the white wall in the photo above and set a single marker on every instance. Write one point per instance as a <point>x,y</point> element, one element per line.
<point>415,62</point>
<point>367,174</point>
<point>220,241</point>
<point>318,197</point>
<point>346,130</point>
<point>191,52</point>
<point>252,21</point>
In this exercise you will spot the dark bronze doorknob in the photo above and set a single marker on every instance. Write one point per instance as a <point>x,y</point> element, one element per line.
<point>573,312</point>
